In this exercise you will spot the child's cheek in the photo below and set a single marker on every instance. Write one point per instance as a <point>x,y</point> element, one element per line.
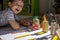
<point>20,9</point>
<point>14,9</point>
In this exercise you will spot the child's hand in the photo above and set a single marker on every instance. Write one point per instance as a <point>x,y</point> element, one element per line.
<point>26,23</point>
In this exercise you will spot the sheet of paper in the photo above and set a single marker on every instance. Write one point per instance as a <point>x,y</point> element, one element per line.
<point>7,37</point>
<point>34,36</point>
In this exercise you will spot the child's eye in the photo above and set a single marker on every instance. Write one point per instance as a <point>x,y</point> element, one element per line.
<point>19,5</point>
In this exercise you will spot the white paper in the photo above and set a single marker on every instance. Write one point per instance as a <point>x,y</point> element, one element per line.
<point>7,37</point>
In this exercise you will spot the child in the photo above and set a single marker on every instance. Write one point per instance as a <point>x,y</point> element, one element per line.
<point>7,16</point>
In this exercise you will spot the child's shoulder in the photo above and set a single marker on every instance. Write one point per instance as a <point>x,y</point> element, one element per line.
<point>8,10</point>
<point>5,10</point>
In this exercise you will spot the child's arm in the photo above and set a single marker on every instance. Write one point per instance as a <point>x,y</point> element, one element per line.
<point>24,22</point>
<point>14,24</point>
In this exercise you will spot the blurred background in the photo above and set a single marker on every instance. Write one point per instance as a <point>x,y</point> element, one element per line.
<point>37,7</point>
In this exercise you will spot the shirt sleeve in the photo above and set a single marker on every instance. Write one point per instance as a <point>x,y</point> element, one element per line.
<point>17,17</point>
<point>10,16</point>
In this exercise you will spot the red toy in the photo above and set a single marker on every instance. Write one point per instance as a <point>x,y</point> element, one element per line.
<point>35,26</point>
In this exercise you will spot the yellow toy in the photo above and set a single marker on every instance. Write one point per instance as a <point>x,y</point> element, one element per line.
<point>55,37</point>
<point>40,33</point>
<point>45,24</point>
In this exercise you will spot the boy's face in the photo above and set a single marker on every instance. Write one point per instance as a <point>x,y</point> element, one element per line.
<point>17,6</point>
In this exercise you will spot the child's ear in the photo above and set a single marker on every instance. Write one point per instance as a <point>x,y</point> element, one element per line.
<point>9,4</point>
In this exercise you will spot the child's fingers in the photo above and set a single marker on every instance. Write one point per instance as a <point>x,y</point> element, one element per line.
<point>27,24</point>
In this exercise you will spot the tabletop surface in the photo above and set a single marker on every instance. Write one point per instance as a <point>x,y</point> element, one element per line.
<point>8,29</point>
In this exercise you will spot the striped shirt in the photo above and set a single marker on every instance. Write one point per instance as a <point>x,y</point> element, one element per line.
<point>6,15</point>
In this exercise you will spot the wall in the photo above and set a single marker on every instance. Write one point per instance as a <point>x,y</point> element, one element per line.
<point>46,5</point>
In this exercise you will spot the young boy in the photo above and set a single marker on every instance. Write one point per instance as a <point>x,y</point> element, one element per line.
<point>7,16</point>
